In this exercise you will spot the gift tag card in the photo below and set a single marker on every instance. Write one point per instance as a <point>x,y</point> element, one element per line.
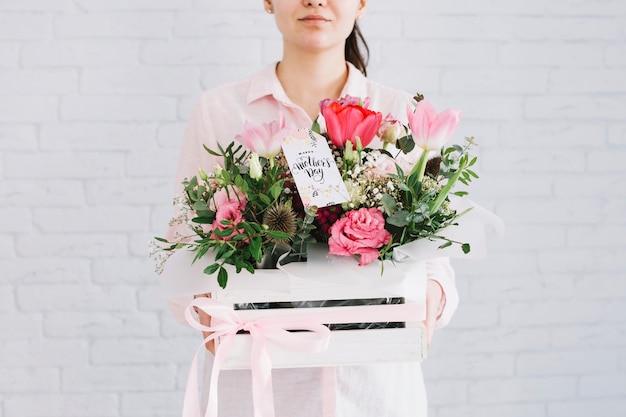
<point>314,169</point>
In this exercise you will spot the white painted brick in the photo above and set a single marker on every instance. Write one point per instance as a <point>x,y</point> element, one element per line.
<point>7,297</point>
<point>605,408</point>
<point>594,335</point>
<point>226,24</point>
<point>97,136</point>
<point>479,7</point>
<point>18,109</point>
<point>115,324</point>
<point>213,51</point>
<point>422,80</point>
<point>142,351</point>
<point>152,404</point>
<point>161,163</point>
<point>511,185</point>
<point>443,53</point>
<point>590,186</point>
<point>522,262</point>
<point>522,287</point>
<point>134,5</point>
<point>617,134</point>
<point>495,81</point>
<point>41,193</point>
<point>546,312</point>
<point>598,386</point>
<point>449,366</point>
<point>495,340</point>
<point>233,5</point>
<point>566,362</point>
<point>24,26</point>
<point>46,270</point>
<point>80,53</point>
<point>588,80</point>
<point>565,210</point>
<point>170,328</point>
<point>610,286</point>
<point>9,54</point>
<point>63,165</point>
<point>169,135</point>
<point>583,260</point>
<point>20,326</point>
<point>524,236</point>
<point>490,410</point>
<point>533,160</point>
<point>546,107</point>
<point>7,247</point>
<point>447,392</point>
<point>132,271</point>
<point>65,405</point>
<point>44,353</point>
<point>382,26</point>
<point>471,315</point>
<point>36,5</point>
<point>118,378</point>
<point>610,160</point>
<point>138,242</point>
<point>29,380</point>
<point>129,192</point>
<point>38,82</point>
<point>616,55</point>
<point>118,108</point>
<point>151,297</point>
<point>14,219</point>
<point>70,245</point>
<point>114,25</point>
<point>480,108</point>
<point>18,138</point>
<point>522,389</point>
<point>142,81</point>
<point>91,219</point>
<point>608,8</point>
<point>560,55</point>
<point>596,236</point>
<point>79,298</point>
<point>553,134</point>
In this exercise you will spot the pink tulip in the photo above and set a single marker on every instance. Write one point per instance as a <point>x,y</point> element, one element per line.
<point>346,120</point>
<point>431,130</point>
<point>264,139</point>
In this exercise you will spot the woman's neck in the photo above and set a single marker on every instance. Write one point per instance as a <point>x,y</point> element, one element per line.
<point>308,78</point>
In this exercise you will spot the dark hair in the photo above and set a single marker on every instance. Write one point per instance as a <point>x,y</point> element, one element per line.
<point>353,51</point>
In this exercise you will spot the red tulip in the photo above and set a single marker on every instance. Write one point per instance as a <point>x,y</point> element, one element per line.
<point>346,120</point>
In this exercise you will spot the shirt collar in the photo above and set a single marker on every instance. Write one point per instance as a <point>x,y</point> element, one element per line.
<point>266,83</point>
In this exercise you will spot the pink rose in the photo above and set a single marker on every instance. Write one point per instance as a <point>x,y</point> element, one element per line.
<point>231,212</point>
<point>360,232</point>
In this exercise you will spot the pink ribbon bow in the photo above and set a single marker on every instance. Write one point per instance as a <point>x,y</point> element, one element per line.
<point>274,329</point>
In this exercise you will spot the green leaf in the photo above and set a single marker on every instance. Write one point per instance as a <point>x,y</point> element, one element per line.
<point>389,204</point>
<point>275,234</point>
<point>211,268</point>
<point>222,278</point>
<point>399,219</point>
<point>316,126</point>
<point>160,239</point>
<point>445,245</point>
<point>466,247</point>
<point>255,248</point>
<point>223,232</point>
<point>406,144</point>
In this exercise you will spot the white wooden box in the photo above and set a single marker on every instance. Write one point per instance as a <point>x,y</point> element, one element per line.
<point>322,277</point>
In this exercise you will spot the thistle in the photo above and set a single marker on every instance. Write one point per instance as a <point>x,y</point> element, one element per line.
<point>282,218</point>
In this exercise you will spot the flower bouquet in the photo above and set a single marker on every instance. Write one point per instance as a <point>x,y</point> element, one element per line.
<point>250,212</point>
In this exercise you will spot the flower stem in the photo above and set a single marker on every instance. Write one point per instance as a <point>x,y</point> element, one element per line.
<point>420,166</point>
<point>436,203</point>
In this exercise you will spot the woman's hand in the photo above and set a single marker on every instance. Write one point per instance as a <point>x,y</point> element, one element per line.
<point>434,295</point>
<point>205,319</point>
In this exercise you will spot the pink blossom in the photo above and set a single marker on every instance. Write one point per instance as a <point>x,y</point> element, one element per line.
<point>347,101</point>
<point>264,139</point>
<point>231,212</point>
<point>390,130</point>
<point>431,130</point>
<point>360,232</point>
<point>386,165</point>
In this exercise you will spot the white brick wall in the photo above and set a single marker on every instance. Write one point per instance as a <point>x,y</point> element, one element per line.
<point>94,95</point>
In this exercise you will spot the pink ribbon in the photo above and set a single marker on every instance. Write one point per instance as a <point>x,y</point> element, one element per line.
<point>274,329</point>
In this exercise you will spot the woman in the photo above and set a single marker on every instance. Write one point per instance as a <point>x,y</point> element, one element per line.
<point>321,59</point>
